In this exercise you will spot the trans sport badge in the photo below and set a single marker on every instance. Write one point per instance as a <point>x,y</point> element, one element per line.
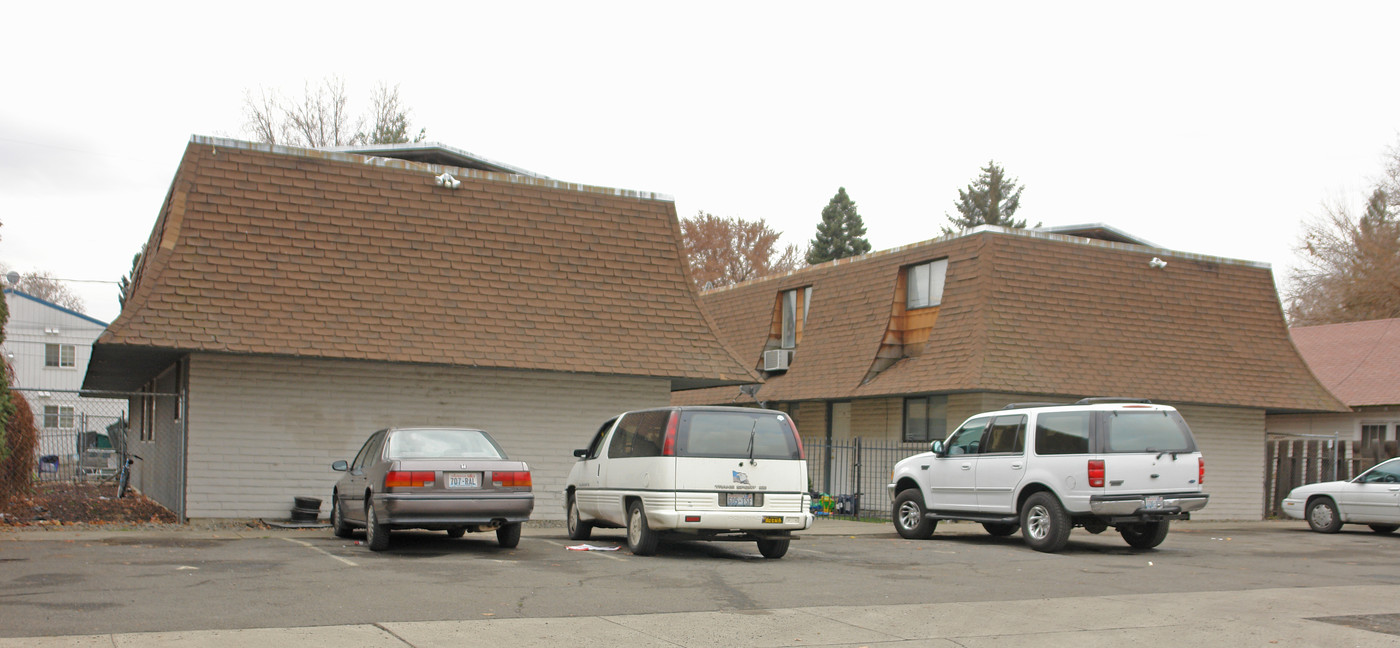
<point>741,478</point>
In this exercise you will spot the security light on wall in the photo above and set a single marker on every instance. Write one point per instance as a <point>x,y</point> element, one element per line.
<point>446,180</point>
<point>1157,263</point>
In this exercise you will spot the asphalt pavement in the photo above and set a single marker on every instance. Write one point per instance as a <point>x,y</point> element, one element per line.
<point>1287,616</point>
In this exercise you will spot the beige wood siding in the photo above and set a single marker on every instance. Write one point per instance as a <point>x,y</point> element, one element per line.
<point>263,430</point>
<point>877,418</point>
<point>1232,441</point>
<point>811,419</point>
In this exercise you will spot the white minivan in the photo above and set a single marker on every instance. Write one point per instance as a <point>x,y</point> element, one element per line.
<point>699,473</point>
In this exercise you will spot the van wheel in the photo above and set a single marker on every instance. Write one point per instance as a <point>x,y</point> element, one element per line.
<point>1044,523</point>
<point>771,548</point>
<point>1322,516</point>
<point>1144,535</point>
<point>909,519</point>
<point>640,538</point>
<point>376,534</point>
<point>578,529</point>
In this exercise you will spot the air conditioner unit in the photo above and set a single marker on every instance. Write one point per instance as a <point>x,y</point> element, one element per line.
<point>777,359</point>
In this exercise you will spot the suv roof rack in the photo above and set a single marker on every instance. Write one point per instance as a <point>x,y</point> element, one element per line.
<point>1110,399</point>
<point>1031,404</point>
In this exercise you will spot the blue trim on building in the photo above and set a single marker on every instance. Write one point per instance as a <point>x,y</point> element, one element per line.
<point>94,320</point>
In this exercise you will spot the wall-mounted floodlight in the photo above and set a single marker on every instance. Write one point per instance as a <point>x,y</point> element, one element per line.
<point>1156,263</point>
<point>446,180</point>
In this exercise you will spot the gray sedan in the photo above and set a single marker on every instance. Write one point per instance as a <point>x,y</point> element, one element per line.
<point>448,479</point>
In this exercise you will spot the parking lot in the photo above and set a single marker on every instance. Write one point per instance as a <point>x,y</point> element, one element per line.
<point>844,583</point>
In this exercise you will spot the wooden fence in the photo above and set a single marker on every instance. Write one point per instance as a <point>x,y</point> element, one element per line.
<point>1290,462</point>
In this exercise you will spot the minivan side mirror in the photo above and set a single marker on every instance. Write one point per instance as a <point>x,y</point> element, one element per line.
<point>581,452</point>
<point>340,466</point>
<point>936,447</point>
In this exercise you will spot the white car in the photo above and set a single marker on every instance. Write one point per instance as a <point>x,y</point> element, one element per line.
<point>1044,468</point>
<point>698,473</point>
<point>1372,498</point>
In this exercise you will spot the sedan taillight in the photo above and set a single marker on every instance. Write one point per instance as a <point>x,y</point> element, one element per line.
<point>409,479</point>
<point>511,479</point>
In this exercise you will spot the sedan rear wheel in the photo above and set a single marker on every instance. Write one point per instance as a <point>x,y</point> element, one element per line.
<point>1322,516</point>
<point>376,534</point>
<point>1384,528</point>
<point>508,536</point>
<point>640,538</point>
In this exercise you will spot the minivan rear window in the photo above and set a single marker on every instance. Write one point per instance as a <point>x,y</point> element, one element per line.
<point>730,435</point>
<point>1157,431</point>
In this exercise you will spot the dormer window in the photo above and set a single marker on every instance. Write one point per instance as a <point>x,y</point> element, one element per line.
<point>925,284</point>
<point>794,302</point>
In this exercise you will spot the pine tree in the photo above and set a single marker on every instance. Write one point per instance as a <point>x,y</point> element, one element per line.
<point>991,200</point>
<point>841,233</point>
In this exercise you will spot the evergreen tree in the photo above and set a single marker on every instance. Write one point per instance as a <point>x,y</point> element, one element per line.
<point>991,200</point>
<point>841,233</point>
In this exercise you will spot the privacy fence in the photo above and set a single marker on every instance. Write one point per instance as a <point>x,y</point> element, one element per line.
<point>848,478</point>
<point>84,437</point>
<point>1292,461</point>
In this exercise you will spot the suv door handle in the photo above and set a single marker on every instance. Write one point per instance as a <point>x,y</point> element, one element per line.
<point>1016,466</point>
<point>967,466</point>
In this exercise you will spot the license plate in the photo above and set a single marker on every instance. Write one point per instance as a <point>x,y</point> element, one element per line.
<point>1153,502</point>
<point>772,519</point>
<point>738,499</point>
<point>464,480</point>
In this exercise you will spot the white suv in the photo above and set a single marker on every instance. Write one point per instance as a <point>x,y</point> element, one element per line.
<point>699,473</point>
<point>1045,468</point>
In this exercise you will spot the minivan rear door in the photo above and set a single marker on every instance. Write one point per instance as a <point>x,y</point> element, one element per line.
<point>727,459</point>
<point>1147,450</point>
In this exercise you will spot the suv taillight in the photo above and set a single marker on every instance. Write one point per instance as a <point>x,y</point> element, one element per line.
<point>511,479</point>
<point>1096,472</point>
<point>408,479</point>
<point>1201,477</point>
<point>668,446</point>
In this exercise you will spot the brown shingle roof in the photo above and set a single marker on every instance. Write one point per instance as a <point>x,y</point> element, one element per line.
<point>1036,314</point>
<point>1358,361</point>
<point>272,250</point>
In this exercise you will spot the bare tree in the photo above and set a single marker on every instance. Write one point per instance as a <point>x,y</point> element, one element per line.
<point>724,251</point>
<point>1350,268</point>
<point>45,286</point>
<point>321,117</point>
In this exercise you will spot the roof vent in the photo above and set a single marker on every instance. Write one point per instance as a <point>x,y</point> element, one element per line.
<point>777,359</point>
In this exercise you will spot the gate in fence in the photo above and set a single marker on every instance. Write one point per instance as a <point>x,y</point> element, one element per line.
<point>1293,461</point>
<point>848,479</point>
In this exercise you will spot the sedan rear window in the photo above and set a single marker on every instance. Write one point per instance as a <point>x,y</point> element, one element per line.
<point>1158,431</point>
<point>440,443</point>
<point>733,435</point>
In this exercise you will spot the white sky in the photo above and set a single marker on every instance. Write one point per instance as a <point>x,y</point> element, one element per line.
<point>1206,127</point>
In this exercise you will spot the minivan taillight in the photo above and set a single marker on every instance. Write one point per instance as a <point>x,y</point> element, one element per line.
<point>668,446</point>
<point>409,479</point>
<point>1201,477</point>
<point>1096,471</point>
<point>511,479</point>
<point>801,452</point>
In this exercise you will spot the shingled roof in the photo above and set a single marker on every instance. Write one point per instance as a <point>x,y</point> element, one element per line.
<point>1033,313</point>
<point>272,250</point>
<point>1358,361</point>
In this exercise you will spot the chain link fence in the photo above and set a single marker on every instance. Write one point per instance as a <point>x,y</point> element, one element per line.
<point>85,437</point>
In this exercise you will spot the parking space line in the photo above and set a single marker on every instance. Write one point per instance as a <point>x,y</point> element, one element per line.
<point>312,547</point>
<point>604,554</point>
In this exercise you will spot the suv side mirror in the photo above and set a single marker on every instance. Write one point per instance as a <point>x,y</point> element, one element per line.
<point>581,452</point>
<point>340,466</point>
<point>936,447</point>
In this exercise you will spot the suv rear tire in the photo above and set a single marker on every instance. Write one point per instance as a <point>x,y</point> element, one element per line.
<point>640,538</point>
<point>909,516</point>
<point>1144,535</point>
<point>1044,523</point>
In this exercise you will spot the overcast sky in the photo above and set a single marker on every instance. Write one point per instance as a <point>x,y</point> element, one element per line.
<point>1211,127</point>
